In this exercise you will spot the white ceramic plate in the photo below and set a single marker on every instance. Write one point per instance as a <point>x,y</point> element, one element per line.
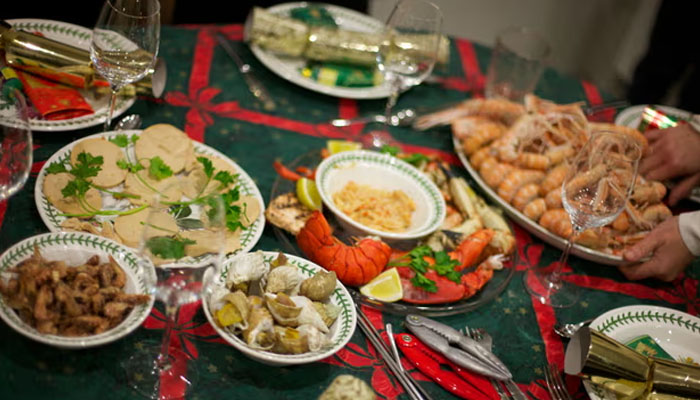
<point>382,171</point>
<point>340,332</point>
<point>52,218</point>
<point>73,35</point>
<point>75,248</point>
<point>631,117</point>
<point>288,68</point>
<point>530,225</point>
<point>675,331</point>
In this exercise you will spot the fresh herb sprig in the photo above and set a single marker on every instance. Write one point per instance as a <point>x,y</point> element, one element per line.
<point>415,159</point>
<point>418,260</point>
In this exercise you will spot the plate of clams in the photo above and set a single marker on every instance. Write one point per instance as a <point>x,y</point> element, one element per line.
<point>279,309</point>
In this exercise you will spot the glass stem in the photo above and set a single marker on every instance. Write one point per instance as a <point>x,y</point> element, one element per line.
<point>391,102</point>
<point>163,361</point>
<point>555,277</point>
<point>112,103</point>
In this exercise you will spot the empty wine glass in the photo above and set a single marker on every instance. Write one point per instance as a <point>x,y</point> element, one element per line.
<point>410,46</point>
<point>594,192</point>
<point>15,150</point>
<point>125,43</point>
<point>183,235</point>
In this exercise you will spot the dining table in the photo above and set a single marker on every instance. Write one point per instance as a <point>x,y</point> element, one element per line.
<point>206,96</point>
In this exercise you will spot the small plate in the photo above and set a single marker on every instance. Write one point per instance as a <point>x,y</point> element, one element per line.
<point>73,35</point>
<point>288,68</point>
<point>530,225</point>
<point>53,219</point>
<point>340,332</point>
<point>675,331</point>
<point>490,291</point>
<point>75,248</point>
<point>385,172</point>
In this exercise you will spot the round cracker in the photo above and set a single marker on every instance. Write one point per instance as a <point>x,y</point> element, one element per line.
<point>130,228</point>
<point>110,174</point>
<point>54,183</point>
<point>169,143</point>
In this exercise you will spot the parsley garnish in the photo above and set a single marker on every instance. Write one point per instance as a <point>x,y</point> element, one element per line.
<point>168,247</point>
<point>123,140</point>
<point>423,258</point>
<point>158,169</point>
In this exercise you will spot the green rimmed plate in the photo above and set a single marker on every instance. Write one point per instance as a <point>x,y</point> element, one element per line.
<point>75,248</point>
<point>76,36</point>
<point>52,216</point>
<point>675,331</point>
<point>340,332</point>
<point>385,172</point>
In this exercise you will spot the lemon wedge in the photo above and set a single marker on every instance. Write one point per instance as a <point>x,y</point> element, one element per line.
<point>385,287</point>
<point>337,146</point>
<point>307,193</point>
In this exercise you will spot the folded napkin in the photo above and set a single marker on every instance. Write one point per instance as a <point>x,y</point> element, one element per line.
<point>52,100</point>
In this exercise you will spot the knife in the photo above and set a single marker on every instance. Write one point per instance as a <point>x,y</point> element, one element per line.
<point>255,87</point>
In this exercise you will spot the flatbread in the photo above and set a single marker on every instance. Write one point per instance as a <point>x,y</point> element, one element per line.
<point>130,228</point>
<point>110,174</point>
<point>172,145</point>
<point>54,183</point>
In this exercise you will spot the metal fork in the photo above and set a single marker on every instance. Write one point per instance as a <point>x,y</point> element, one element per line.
<point>555,383</point>
<point>483,337</point>
<point>487,343</point>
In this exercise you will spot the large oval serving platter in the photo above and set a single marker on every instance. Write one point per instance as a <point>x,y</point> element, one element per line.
<point>74,248</point>
<point>288,68</point>
<point>340,332</point>
<point>52,216</point>
<point>76,36</point>
<point>530,225</point>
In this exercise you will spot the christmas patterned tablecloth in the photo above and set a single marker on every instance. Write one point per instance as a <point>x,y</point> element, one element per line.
<point>207,97</point>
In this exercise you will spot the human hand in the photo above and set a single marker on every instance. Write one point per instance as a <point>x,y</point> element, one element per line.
<point>669,255</point>
<point>673,152</point>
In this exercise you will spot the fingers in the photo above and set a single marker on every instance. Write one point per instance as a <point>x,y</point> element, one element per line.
<point>683,189</point>
<point>654,134</point>
<point>636,272</point>
<point>650,162</point>
<point>644,247</point>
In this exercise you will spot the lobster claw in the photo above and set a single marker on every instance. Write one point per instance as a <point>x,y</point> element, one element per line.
<point>472,355</point>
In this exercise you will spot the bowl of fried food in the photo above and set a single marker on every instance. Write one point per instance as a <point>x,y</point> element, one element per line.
<point>279,309</point>
<point>74,290</point>
<point>380,195</point>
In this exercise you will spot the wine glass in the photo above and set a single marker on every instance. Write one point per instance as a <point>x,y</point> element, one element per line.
<point>15,150</point>
<point>183,236</point>
<point>125,43</point>
<point>408,52</point>
<point>594,192</point>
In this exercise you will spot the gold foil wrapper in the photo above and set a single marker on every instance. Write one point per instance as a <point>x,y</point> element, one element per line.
<point>289,37</point>
<point>676,378</point>
<point>66,64</point>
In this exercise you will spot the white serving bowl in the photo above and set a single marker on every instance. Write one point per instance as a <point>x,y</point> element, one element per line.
<point>340,332</point>
<point>75,248</point>
<point>382,171</point>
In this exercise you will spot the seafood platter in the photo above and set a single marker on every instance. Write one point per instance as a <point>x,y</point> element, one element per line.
<point>517,154</point>
<point>464,263</point>
<point>106,183</point>
<point>73,289</point>
<point>280,309</point>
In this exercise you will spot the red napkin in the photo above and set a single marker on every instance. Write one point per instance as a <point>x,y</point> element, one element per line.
<point>52,100</point>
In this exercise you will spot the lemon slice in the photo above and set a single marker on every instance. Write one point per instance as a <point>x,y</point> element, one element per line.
<point>307,193</point>
<point>385,287</point>
<point>336,146</point>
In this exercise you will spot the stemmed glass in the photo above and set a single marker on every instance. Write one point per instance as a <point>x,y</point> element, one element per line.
<point>125,43</point>
<point>409,50</point>
<point>15,150</point>
<point>183,238</point>
<point>594,192</point>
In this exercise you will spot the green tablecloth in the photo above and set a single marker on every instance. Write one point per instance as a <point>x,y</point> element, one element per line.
<point>206,96</point>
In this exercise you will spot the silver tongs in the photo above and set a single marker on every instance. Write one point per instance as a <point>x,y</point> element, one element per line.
<point>470,354</point>
<point>254,85</point>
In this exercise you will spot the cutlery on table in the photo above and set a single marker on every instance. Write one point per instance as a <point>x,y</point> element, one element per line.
<point>486,340</point>
<point>131,121</point>
<point>555,383</point>
<point>412,388</point>
<point>568,330</point>
<point>400,118</point>
<point>452,377</point>
<point>254,85</point>
<point>468,353</point>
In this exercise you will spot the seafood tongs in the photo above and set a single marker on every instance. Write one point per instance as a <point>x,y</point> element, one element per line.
<point>470,354</point>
